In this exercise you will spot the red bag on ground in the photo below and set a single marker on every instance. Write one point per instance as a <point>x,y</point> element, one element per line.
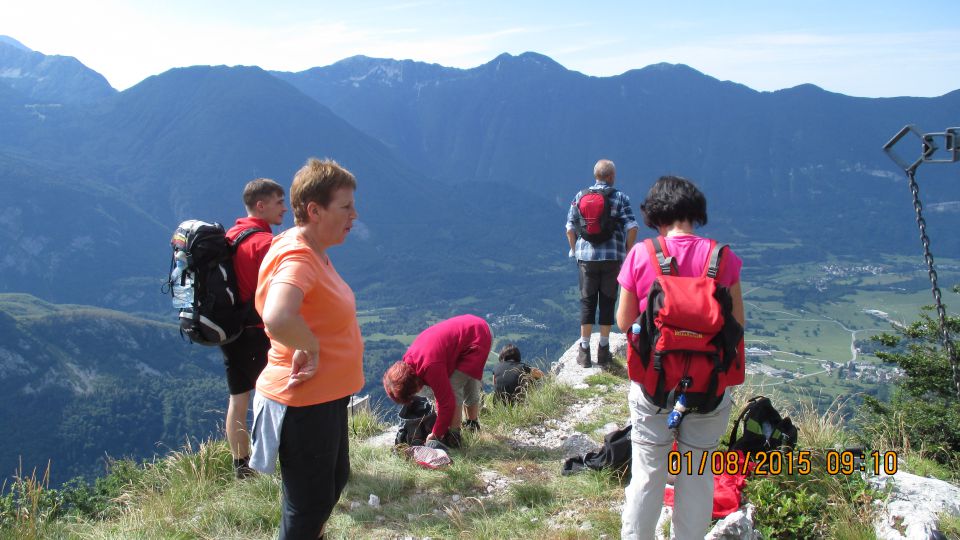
<point>727,490</point>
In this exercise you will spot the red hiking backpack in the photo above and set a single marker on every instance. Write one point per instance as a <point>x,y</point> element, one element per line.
<point>593,221</point>
<point>686,341</point>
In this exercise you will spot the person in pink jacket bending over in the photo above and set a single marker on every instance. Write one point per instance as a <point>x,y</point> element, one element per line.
<point>449,358</point>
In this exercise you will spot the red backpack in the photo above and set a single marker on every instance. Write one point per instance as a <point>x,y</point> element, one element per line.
<point>593,222</point>
<point>686,341</point>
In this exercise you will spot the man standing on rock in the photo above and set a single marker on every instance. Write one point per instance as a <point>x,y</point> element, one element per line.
<point>601,229</point>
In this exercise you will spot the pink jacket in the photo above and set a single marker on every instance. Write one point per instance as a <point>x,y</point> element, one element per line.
<point>460,343</point>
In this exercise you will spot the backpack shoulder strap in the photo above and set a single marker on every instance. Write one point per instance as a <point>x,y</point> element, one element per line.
<point>665,264</point>
<point>712,268</point>
<point>576,204</point>
<point>246,233</point>
<point>736,424</point>
<point>654,255</point>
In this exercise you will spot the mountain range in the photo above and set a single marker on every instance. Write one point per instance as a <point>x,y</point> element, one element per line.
<point>465,177</point>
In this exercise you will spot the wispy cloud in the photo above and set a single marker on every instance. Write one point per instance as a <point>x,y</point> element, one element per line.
<point>408,5</point>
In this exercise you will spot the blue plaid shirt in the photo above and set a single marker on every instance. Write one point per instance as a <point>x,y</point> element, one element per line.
<point>614,249</point>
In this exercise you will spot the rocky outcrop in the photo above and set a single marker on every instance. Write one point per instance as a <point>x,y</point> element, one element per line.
<point>912,505</point>
<point>566,369</point>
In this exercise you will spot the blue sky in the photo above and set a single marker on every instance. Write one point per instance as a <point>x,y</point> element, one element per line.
<point>874,49</point>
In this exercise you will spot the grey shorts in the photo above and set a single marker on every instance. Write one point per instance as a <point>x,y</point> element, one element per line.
<point>466,389</point>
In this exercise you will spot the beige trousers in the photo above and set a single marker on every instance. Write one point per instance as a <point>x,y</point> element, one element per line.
<point>652,442</point>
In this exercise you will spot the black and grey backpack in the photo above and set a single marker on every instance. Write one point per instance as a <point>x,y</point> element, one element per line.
<point>764,430</point>
<point>203,284</point>
<point>416,422</point>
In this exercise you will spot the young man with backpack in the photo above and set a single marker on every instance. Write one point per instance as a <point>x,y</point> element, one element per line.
<point>601,230</point>
<point>245,357</point>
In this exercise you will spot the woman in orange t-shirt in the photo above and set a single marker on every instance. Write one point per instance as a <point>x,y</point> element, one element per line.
<point>316,353</point>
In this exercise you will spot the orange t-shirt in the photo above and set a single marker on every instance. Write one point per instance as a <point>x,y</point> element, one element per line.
<point>330,310</point>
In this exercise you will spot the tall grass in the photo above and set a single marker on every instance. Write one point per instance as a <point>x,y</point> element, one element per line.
<point>191,493</point>
<point>539,403</point>
<point>27,507</point>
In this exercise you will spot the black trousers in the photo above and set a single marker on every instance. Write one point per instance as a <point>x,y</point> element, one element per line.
<point>244,359</point>
<point>598,285</point>
<point>314,466</point>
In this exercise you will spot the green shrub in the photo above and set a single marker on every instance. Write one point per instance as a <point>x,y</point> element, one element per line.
<point>786,509</point>
<point>950,525</point>
<point>923,415</point>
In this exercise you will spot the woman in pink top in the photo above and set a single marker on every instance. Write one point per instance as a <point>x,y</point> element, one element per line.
<point>672,208</point>
<point>449,358</point>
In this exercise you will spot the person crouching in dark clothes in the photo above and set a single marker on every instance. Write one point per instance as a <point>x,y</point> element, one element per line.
<point>511,377</point>
<point>449,358</point>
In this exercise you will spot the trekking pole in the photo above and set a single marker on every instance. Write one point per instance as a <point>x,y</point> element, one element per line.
<point>930,152</point>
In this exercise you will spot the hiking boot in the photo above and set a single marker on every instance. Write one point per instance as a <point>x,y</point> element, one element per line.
<point>452,438</point>
<point>437,445</point>
<point>603,355</point>
<point>471,425</point>
<point>583,357</point>
<point>244,472</point>
<point>242,468</point>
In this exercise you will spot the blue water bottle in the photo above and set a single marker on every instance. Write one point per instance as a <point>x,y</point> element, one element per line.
<point>678,412</point>
<point>634,336</point>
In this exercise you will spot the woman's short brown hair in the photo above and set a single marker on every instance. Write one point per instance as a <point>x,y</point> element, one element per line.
<point>401,382</point>
<point>316,182</point>
<point>672,199</point>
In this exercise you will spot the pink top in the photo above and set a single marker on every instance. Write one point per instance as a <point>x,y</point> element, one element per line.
<point>461,343</point>
<point>690,251</point>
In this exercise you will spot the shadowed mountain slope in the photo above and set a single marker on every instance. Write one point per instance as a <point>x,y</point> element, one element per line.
<point>770,161</point>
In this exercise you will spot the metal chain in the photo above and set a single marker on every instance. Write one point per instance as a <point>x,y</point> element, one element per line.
<point>941,312</point>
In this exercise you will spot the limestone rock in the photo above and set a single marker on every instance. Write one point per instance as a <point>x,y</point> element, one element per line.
<point>663,523</point>
<point>384,439</point>
<point>578,444</point>
<point>912,506</point>
<point>736,526</point>
<point>569,372</point>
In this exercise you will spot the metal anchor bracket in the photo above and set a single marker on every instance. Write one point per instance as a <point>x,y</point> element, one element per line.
<point>942,147</point>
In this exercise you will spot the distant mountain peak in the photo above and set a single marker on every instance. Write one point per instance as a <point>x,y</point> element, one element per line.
<point>49,78</point>
<point>360,70</point>
<point>668,67</point>
<point>528,59</point>
<point>360,59</point>
<point>804,89</point>
<point>12,42</point>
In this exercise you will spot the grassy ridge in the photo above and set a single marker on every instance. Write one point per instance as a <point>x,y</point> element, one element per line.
<point>493,489</point>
